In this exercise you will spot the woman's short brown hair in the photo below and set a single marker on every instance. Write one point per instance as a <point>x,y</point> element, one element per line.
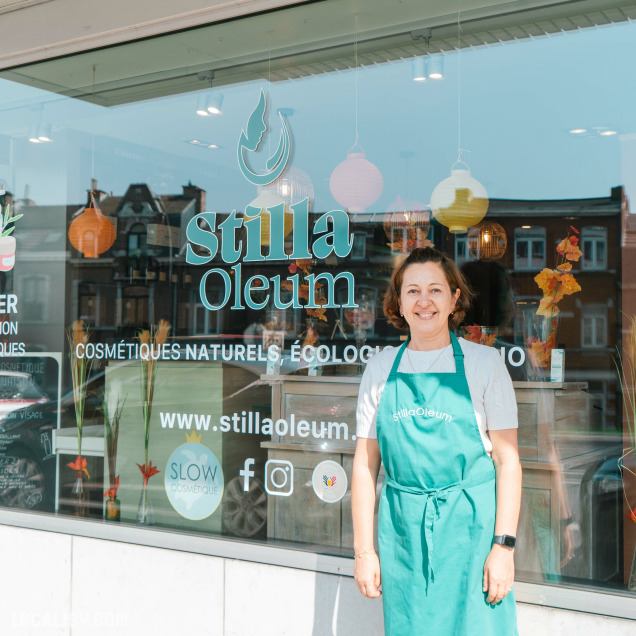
<point>454,277</point>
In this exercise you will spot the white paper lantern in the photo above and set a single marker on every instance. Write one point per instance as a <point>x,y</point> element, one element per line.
<point>293,186</point>
<point>356,183</point>
<point>459,201</point>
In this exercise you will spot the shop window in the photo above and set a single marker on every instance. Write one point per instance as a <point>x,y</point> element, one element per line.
<point>594,326</point>
<point>594,247</point>
<point>34,291</point>
<point>529,248</point>
<point>461,250</point>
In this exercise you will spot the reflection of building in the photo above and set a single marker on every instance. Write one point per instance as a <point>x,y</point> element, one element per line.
<point>587,318</point>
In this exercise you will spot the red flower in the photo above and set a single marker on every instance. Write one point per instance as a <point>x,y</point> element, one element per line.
<point>293,268</point>
<point>112,492</point>
<point>79,465</point>
<point>148,471</point>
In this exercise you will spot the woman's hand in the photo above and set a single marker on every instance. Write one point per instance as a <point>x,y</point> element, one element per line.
<point>366,571</point>
<point>499,573</point>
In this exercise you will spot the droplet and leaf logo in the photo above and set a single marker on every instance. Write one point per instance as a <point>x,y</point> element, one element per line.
<point>250,140</point>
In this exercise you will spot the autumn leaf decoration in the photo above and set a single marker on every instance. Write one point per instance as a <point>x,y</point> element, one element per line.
<point>79,465</point>
<point>112,491</point>
<point>558,283</point>
<point>148,471</point>
<point>475,333</point>
<point>555,285</point>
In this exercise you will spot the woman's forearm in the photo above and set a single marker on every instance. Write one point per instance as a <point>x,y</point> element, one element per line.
<point>508,496</point>
<point>363,484</point>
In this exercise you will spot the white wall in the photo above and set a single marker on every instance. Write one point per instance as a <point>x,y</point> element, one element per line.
<point>59,585</point>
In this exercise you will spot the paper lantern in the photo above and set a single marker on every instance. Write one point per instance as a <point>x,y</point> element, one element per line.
<point>406,225</point>
<point>459,201</point>
<point>356,183</point>
<point>293,186</point>
<point>268,199</point>
<point>487,241</point>
<point>91,233</point>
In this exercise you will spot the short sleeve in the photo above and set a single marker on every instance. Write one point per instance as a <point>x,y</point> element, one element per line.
<point>500,404</point>
<point>368,402</point>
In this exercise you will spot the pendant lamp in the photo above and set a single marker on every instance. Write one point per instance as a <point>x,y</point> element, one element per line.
<point>92,233</point>
<point>268,199</point>
<point>406,224</point>
<point>293,186</point>
<point>459,201</point>
<point>356,183</point>
<point>487,241</point>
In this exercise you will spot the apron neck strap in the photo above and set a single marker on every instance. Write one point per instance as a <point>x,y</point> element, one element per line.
<point>398,357</point>
<point>459,355</point>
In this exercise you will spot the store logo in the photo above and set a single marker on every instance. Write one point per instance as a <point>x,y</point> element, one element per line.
<point>251,139</point>
<point>194,481</point>
<point>279,477</point>
<point>329,481</point>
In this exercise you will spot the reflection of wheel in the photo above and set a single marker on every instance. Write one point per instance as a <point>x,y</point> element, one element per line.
<point>22,482</point>
<point>244,513</point>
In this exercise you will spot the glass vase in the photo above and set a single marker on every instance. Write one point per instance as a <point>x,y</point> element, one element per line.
<point>78,492</point>
<point>145,512</point>
<point>113,509</point>
<point>541,335</point>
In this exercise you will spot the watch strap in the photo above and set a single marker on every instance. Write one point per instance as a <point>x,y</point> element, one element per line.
<point>506,540</point>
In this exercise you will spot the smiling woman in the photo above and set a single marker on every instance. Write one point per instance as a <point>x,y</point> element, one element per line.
<point>438,456</point>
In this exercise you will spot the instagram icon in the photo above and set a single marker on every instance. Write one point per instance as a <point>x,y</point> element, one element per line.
<point>279,477</point>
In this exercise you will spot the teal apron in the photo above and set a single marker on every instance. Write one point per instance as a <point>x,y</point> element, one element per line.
<point>437,512</point>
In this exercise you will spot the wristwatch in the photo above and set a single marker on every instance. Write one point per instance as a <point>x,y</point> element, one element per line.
<point>506,540</point>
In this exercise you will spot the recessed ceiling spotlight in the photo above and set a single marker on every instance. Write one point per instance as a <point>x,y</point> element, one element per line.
<point>607,133</point>
<point>578,131</point>
<point>526,227</point>
<point>212,146</point>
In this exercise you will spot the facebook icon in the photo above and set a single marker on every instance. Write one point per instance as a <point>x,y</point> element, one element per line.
<point>246,473</point>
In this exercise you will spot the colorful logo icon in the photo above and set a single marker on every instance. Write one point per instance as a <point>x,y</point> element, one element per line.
<point>329,481</point>
<point>250,140</point>
<point>194,481</point>
<point>279,477</point>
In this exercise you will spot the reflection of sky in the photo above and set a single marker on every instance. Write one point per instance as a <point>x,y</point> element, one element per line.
<point>519,100</point>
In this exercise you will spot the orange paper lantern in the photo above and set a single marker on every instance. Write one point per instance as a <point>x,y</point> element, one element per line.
<point>91,233</point>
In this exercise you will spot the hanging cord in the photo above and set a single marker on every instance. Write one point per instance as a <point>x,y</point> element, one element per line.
<point>355,54</point>
<point>93,139</point>
<point>460,150</point>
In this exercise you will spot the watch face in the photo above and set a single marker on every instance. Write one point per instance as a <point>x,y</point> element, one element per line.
<point>509,541</point>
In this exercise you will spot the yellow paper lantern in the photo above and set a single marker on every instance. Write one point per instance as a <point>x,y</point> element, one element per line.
<point>459,201</point>
<point>268,199</point>
<point>487,241</point>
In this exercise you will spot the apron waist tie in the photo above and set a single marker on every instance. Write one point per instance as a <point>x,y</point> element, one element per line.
<point>435,497</point>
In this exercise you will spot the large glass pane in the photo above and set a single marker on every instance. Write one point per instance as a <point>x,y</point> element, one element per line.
<point>221,210</point>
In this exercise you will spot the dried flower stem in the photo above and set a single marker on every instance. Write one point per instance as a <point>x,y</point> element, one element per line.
<point>154,341</point>
<point>80,370</point>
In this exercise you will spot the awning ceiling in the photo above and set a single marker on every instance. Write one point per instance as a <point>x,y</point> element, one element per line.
<point>312,39</point>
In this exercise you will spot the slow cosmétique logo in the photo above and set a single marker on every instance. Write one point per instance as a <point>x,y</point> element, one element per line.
<point>330,235</point>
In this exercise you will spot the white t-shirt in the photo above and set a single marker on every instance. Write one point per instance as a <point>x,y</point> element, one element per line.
<point>489,384</point>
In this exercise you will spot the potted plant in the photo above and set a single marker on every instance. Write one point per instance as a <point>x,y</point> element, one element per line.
<point>7,242</point>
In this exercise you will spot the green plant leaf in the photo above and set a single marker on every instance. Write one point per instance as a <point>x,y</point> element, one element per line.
<point>7,232</point>
<point>15,218</point>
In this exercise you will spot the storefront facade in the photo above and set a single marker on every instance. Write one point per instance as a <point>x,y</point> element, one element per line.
<point>200,216</point>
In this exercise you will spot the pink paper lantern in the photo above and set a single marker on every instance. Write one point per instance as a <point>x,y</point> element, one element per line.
<point>356,183</point>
